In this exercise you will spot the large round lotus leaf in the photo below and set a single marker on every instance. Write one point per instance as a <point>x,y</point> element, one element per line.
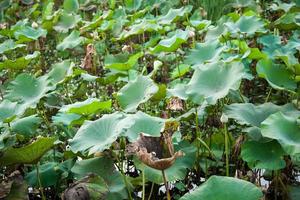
<point>214,81</point>
<point>288,21</point>
<point>177,171</point>
<point>204,52</point>
<point>59,71</point>
<point>19,63</point>
<point>173,43</point>
<point>49,175</point>
<point>8,45</point>
<point>29,154</point>
<point>250,114</point>
<point>224,188</point>
<point>26,126</point>
<point>142,123</point>
<point>71,41</point>
<point>27,32</point>
<point>104,167</point>
<point>284,129</point>
<point>136,92</point>
<point>96,136</point>
<point>120,62</point>
<point>27,89</point>
<point>87,107</point>
<point>67,21</point>
<point>246,24</point>
<point>71,5</point>
<point>268,155</point>
<point>174,14</point>
<point>9,110</point>
<point>276,74</point>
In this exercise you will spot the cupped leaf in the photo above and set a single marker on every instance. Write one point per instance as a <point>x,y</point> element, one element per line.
<point>104,167</point>
<point>228,188</point>
<point>27,32</point>
<point>204,52</point>
<point>59,71</point>
<point>214,81</point>
<point>27,89</point>
<point>71,5</point>
<point>173,15</point>
<point>9,110</point>
<point>143,123</point>
<point>66,21</point>
<point>268,155</point>
<point>9,45</point>
<point>71,41</point>
<point>87,107</point>
<point>276,74</point>
<point>29,154</point>
<point>120,62</point>
<point>250,114</point>
<point>284,129</point>
<point>98,135</point>
<point>26,126</point>
<point>136,92</point>
<point>246,25</point>
<point>171,44</point>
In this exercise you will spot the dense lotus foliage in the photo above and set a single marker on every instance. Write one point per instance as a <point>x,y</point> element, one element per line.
<point>150,99</point>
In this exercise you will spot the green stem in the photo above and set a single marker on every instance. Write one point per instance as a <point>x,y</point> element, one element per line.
<point>268,96</point>
<point>226,149</point>
<point>166,185</point>
<point>39,181</point>
<point>143,174</point>
<point>151,190</point>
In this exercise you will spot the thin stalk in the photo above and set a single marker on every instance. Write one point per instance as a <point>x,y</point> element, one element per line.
<point>143,174</point>
<point>226,149</point>
<point>151,190</point>
<point>268,96</point>
<point>166,185</point>
<point>124,177</point>
<point>41,189</point>
<point>242,98</point>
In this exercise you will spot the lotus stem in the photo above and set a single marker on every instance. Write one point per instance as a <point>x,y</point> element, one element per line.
<point>226,149</point>
<point>269,94</point>
<point>41,189</point>
<point>143,174</point>
<point>151,190</point>
<point>166,185</point>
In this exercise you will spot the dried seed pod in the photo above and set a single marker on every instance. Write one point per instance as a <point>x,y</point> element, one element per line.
<point>175,104</point>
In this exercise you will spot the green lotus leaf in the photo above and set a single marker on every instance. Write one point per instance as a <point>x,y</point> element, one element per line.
<point>171,44</point>
<point>276,74</point>
<point>29,154</point>
<point>282,6</point>
<point>9,110</point>
<point>98,135</point>
<point>142,123</point>
<point>49,175</point>
<point>247,25</point>
<point>104,167</point>
<point>228,188</point>
<point>179,90</point>
<point>197,21</point>
<point>288,21</point>
<point>19,63</point>
<point>26,126</point>
<point>177,171</point>
<point>66,21</point>
<point>250,114</point>
<point>214,81</point>
<point>136,92</point>
<point>96,22</point>
<point>180,71</point>
<point>120,62</point>
<point>268,155</point>
<point>213,33</point>
<point>59,71</point>
<point>27,89</point>
<point>133,5</point>
<point>173,15</point>
<point>271,43</point>
<point>27,32</point>
<point>204,52</point>
<point>139,28</point>
<point>65,118</point>
<point>285,130</point>
<point>9,45</point>
<point>71,5</point>
<point>71,41</point>
<point>87,107</point>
